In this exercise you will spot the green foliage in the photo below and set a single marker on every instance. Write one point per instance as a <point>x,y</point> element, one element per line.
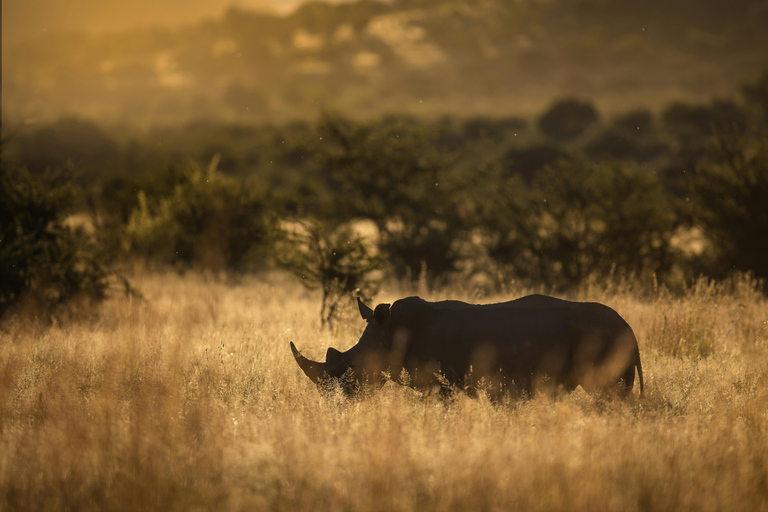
<point>577,220</point>
<point>730,190</point>
<point>483,128</point>
<point>337,260</point>
<point>756,93</point>
<point>692,126</point>
<point>44,262</point>
<point>448,196</point>
<point>621,143</point>
<point>207,220</point>
<point>391,174</point>
<point>640,120</point>
<point>567,119</point>
<point>531,160</point>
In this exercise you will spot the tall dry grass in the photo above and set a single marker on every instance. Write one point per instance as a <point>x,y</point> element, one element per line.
<point>191,400</point>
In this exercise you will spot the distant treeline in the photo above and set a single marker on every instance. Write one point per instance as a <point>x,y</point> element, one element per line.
<point>550,201</point>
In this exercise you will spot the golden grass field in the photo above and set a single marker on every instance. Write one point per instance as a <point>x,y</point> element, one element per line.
<point>191,400</point>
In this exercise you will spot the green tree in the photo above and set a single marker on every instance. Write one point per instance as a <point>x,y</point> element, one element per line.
<point>207,220</point>
<point>567,119</point>
<point>756,93</point>
<point>390,173</point>
<point>578,220</point>
<point>337,260</point>
<point>44,262</point>
<point>631,136</point>
<point>730,192</point>
<point>692,126</point>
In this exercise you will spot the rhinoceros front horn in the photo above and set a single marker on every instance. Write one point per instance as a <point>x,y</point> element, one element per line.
<point>311,369</point>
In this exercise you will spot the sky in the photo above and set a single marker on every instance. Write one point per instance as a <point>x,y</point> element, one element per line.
<point>23,19</point>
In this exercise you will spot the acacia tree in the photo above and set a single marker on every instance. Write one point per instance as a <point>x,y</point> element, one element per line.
<point>730,191</point>
<point>567,119</point>
<point>390,173</point>
<point>44,262</point>
<point>337,260</point>
<point>756,93</point>
<point>576,220</point>
<point>202,219</point>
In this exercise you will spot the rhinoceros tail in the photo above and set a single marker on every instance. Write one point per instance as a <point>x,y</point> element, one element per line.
<point>639,369</point>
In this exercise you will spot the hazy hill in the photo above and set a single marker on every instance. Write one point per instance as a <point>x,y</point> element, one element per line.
<point>423,57</point>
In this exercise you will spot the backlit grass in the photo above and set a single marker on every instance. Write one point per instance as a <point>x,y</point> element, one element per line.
<point>191,400</point>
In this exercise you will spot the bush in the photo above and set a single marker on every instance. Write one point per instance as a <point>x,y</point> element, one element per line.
<point>730,192</point>
<point>44,263</point>
<point>529,161</point>
<point>496,130</point>
<point>337,260</point>
<point>621,144</point>
<point>692,126</point>
<point>207,221</point>
<point>756,93</point>
<point>578,220</point>
<point>567,119</point>
<point>638,120</point>
<point>390,173</point>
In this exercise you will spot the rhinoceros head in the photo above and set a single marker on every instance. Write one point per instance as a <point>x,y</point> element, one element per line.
<point>363,362</point>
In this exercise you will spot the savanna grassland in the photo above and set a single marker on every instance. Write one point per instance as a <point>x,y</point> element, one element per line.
<point>190,400</point>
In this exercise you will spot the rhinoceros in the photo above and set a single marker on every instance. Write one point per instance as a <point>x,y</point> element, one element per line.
<point>525,346</point>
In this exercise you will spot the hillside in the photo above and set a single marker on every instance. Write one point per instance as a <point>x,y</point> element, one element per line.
<point>420,57</point>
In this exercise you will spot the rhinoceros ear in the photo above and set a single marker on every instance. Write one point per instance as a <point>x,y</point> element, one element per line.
<point>381,313</point>
<point>365,311</point>
<point>332,356</point>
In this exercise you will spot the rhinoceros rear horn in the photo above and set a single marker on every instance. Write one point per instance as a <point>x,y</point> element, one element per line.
<point>381,313</point>
<point>311,369</point>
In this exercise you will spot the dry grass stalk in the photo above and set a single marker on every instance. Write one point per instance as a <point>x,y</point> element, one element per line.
<point>192,400</point>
